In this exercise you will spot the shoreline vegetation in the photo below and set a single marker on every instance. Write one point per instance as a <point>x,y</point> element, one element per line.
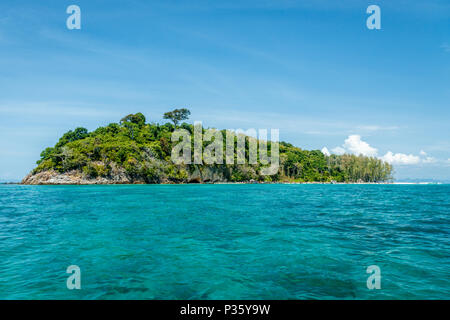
<point>136,152</point>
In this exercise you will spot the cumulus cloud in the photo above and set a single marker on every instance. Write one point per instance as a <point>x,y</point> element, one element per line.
<point>355,145</point>
<point>338,150</point>
<point>400,158</point>
<point>325,151</point>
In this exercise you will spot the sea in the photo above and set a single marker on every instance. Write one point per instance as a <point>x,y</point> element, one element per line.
<point>225,241</point>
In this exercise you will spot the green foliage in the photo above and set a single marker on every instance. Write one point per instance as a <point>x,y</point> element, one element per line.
<point>177,115</point>
<point>70,136</point>
<point>94,170</point>
<point>138,119</point>
<point>46,154</point>
<point>142,151</point>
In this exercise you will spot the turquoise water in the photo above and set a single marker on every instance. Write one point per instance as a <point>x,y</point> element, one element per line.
<point>225,241</point>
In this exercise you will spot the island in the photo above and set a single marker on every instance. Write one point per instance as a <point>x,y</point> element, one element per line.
<point>136,152</point>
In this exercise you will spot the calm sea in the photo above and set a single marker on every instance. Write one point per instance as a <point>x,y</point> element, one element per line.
<point>225,241</point>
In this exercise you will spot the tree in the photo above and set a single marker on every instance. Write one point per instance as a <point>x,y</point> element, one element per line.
<point>70,136</point>
<point>177,115</point>
<point>131,121</point>
<point>46,154</point>
<point>137,118</point>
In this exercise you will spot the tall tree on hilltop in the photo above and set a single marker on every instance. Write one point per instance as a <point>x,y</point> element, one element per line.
<point>177,115</point>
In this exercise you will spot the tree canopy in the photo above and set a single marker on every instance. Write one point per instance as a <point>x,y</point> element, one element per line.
<point>177,115</point>
<point>138,119</point>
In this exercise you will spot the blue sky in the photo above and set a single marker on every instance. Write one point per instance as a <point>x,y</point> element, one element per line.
<point>310,68</point>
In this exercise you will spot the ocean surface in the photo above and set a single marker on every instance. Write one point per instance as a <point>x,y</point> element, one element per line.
<point>225,241</point>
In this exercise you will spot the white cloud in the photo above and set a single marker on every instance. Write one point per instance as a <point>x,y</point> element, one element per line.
<point>325,151</point>
<point>355,145</point>
<point>400,158</point>
<point>376,128</point>
<point>429,160</point>
<point>338,150</point>
<point>56,109</point>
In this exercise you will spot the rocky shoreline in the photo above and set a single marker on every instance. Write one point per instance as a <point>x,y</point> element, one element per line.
<point>76,177</point>
<point>69,178</point>
<point>207,176</point>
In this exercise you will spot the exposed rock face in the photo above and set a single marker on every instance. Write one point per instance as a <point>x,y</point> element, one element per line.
<point>72,177</point>
<point>118,176</point>
<point>207,175</point>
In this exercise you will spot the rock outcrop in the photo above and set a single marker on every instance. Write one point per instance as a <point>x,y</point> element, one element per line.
<point>117,176</point>
<point>71,177</point>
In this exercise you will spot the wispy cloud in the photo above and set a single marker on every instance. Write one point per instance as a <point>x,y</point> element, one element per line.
<point>55,109</point>
<point>429,160</point>
<point>376,128</point>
